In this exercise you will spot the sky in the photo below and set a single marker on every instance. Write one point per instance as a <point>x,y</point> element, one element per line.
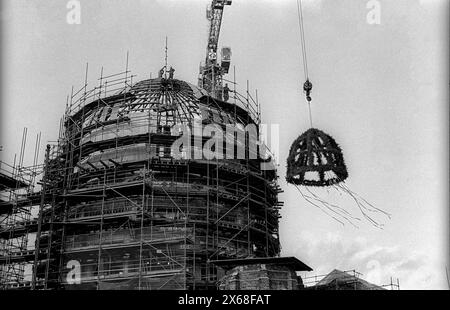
<point>381,90</point>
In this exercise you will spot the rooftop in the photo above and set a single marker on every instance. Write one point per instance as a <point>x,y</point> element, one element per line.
<point>286,261</point>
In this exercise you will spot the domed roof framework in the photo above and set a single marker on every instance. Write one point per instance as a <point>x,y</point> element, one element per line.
<point>315,159</point>
<point>129,214</point>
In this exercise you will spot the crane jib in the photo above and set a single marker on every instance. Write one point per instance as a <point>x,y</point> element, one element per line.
<point>211,73</point>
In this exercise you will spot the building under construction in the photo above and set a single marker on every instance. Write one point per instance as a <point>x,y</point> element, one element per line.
<point>118,204</point>
<point>117,210</point>
<point>120,208</point>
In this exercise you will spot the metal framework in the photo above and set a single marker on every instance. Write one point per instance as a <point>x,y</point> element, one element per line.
<point>315,159</point>
<point>211,74</point>
<point>345,280</point>
<point>16,204</point>
<point>118,211</point>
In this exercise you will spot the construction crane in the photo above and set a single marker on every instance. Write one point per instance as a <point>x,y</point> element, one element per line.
<point>211,74</point>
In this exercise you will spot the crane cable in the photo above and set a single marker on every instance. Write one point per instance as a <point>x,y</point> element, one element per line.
<point>307,87</point>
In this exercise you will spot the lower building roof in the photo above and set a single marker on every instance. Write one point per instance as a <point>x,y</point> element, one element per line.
<point>284,261</point>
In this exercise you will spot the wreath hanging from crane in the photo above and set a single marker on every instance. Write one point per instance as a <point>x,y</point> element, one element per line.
<point>316,164</point>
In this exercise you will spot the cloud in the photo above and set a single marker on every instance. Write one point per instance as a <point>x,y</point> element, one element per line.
<point>312,4</point>
<point>376,262</point>
<point>431,2</point>
<point>171,3</point>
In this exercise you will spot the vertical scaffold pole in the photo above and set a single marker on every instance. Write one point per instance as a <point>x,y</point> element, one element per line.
<point>41,208</point>
<point>142,229</point>
<point>100,243</point>
<point>249,249</point>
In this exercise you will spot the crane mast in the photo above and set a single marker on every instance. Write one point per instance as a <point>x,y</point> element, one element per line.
<point>211,74</point>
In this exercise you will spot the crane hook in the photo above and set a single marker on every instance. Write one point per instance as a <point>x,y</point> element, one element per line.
<point>307,87</point>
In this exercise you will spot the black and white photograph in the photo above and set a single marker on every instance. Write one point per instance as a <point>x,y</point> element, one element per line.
<point>236,146</point>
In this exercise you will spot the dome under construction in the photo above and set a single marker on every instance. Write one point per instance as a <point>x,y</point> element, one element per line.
<point>149,184</point>
<point>124,211</point>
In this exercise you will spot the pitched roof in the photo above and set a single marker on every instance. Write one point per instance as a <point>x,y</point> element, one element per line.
<point>341,280</point>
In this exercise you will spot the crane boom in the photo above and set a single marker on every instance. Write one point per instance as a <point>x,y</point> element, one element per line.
<point>211,73</point>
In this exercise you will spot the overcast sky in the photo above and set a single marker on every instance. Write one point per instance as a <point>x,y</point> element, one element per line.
<point>379,90</point>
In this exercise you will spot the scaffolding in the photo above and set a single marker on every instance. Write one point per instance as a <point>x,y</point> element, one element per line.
<point>17,190</point>
<point>117,209</point>
<point>345,280</point>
